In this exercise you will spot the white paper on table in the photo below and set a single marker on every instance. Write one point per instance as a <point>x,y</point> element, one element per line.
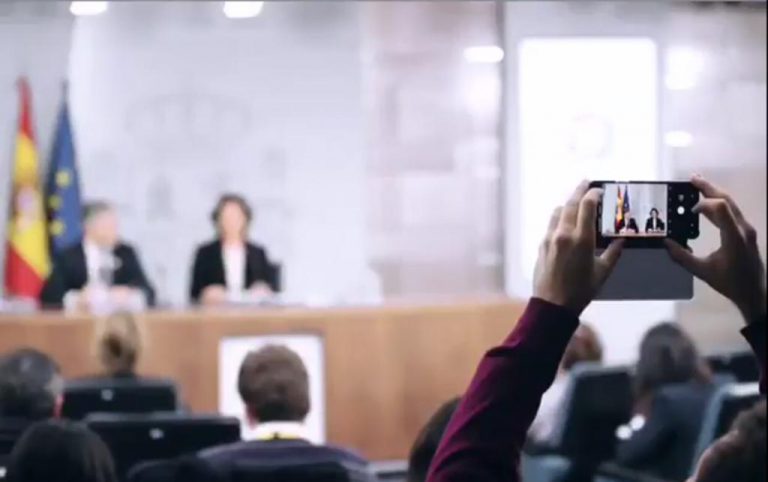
<point>311,350</point>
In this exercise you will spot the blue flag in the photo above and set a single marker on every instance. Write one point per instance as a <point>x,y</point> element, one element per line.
<point>62,190</point>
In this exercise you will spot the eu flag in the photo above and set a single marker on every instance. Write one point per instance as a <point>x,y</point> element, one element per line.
<point>65,222</point>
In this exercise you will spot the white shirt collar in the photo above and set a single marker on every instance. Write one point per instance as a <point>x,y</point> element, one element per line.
<point>278,430</point>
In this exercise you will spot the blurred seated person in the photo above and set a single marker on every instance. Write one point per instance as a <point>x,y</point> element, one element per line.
<point>654,224</point>
<point>230,266</point>
<point>426,443</point>
<point>118,346</point>
<point>60,451</point>
<point>31,389</point>
<point>584,346</point>
<point>672,389</point>
<point>274,386</point>
<point>627,224</point>
<point>740,453</point>
<point>100,269</point>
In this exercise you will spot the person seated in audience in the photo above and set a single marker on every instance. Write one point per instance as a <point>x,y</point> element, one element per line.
<point>118,346</point>
<point>100,268</point>
<point>274,386</point>
<point>230,266</point>
<point>483,441</point>
<point>672,389</point>
<point>584,347</point>
<point>740,454</point>
<point>425,445</point>
<point>31,389</point>
<point>60,451</point>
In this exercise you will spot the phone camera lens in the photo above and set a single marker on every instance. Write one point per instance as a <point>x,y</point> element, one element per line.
<point>680,210</point>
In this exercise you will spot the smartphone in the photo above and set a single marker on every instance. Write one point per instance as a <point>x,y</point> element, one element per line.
<point>646,212</point>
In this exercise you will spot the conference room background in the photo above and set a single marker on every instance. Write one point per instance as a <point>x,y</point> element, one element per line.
<point>393,150</point>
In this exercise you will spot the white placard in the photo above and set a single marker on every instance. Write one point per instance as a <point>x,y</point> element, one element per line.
<point>310,348</point>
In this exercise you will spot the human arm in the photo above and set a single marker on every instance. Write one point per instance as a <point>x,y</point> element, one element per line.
<point>735,269</point>
<point>486,435</point>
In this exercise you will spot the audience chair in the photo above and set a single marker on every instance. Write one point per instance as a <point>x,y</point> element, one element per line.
<point>391,471</point>
<point>742,365</point>
<point>135,438</point>
<point>85,397</point>
<point>728,401</point>
<point>314,472</point>
<point>598,399</point>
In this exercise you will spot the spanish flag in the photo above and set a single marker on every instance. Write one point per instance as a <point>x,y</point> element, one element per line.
<point>618,220</point>
<point>27,261</point>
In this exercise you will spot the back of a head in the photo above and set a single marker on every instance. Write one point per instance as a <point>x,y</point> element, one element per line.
<point>31,385</point>
<point>60,451</point>
<point>667,356</point>
<point>585,346</point>
<point>740,454</point>
<point>274,385</point>
<point>428,440</point>
<point>119,344</point>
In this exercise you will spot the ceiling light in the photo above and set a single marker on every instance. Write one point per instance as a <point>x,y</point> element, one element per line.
<point>242,9</point>
<point>485,54</point>
<point>87,8</point>
<point>678,139</point>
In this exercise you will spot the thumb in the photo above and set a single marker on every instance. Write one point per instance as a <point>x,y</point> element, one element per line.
<point>695,265</point>
<point>610,257</point>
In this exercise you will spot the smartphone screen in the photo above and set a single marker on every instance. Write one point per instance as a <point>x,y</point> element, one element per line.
<point>634,210</point>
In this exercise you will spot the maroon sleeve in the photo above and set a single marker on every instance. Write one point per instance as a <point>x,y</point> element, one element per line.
<point>755,335</point>
<point>484,439</point>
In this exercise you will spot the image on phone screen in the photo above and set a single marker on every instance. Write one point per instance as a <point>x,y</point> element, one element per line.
<point>634,210</point>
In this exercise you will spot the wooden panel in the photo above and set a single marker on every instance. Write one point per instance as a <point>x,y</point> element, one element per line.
<point>387,368</point>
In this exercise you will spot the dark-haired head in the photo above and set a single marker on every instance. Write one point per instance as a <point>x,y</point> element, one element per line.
<point>654,213</point>
<point>274,385</point>
<point>667,356</point>
<point>428,440</point>
<point>60,451</point>
<point>740,454</point>
<point>231,216</point>
<point>31,385</point>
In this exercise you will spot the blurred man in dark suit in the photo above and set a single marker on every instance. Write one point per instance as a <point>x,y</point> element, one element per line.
<point>100,266</point>
<point>274,385</point>
<point>31,389</point>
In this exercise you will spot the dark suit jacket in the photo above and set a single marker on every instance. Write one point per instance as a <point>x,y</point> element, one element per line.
<point>71,273</point>
<point>208,268</point>
<point>649,225</point>
<point>226,459</point>
<point>665,446</point>
<point>227,462</point>
<point>10,431</point>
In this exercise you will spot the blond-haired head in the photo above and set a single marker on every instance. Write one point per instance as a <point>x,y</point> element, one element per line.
<point>119,344</point>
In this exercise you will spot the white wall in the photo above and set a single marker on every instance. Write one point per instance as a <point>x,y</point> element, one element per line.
<point>174,104</point>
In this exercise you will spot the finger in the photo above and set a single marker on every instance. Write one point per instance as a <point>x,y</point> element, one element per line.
<point>554,220</point>
<point>712,191</point>
<point>692,263</point>
<point>587,219</point>
<point>719,212</point>
<point>571,209</point>
<point>610,257</point>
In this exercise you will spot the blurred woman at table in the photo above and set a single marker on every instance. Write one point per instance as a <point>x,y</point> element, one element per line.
<point>230,265</point>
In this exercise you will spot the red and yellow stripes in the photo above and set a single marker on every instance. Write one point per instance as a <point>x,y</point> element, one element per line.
<point>27,261</point>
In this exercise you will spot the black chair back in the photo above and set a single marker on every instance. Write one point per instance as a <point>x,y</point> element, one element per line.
<point>742,365</point>
<point>598,400</point>
<point>85,397</point>
<point>315,472</point>
<point>726,404</point>
<point>138,438</point>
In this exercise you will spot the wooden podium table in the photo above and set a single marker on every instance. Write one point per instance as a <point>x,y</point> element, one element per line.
<point>387,368</point>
